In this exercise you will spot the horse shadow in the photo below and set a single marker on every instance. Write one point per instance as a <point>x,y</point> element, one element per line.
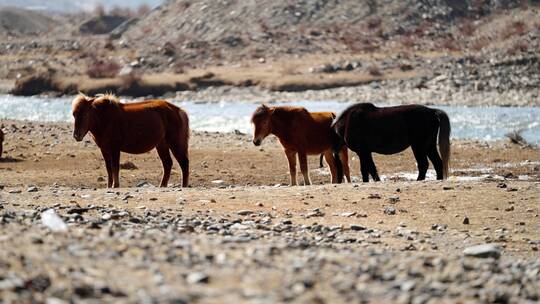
<point>9,159</point>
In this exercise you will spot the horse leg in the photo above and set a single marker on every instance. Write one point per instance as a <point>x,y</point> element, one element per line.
<point>108,164</point>
<point>180,152</point>
<point>291,157</point>
<point>302,157</point>
<point>367,167</point>
<point>373,168</point>
<point>163,152</point>
<point>115,166</point>
<point>422,161</point>
<point>364,171</point>
<point>329,157</point>
<point>344,155</point>
<point>436,160</point>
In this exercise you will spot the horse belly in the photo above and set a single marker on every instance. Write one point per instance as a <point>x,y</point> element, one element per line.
<point>141,138</point>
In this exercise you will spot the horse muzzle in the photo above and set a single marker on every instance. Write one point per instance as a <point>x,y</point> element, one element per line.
<point>78,137</point>
<point>257,142</point>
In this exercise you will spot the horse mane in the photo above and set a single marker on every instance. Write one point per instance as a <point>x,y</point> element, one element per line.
<point>364,106</point>
<point>262,109</point>
<point>113,99</point>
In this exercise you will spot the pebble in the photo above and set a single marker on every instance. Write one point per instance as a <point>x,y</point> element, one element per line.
<point>389,210</point>
<point>355,227</point>
<point>197,278</point>
<point>393,199</point>
<point>244,212</point>
<point>51,220</point>
<point>483,251</point>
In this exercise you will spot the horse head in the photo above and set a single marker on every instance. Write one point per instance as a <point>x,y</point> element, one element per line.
<point>261,120</point>
<point>82,110</point>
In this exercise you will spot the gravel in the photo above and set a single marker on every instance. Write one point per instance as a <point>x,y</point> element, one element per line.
<point>266,259</point>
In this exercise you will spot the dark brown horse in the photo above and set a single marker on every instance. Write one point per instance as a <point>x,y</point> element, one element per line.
<point>366,128</point>
<point>303,133</point>
<point>133,128</point>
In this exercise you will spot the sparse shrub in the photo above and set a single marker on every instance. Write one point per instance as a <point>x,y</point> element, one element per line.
<point>143,9</point>
<point>374,23</point>
<point>369,46</point>
<point>518,47</point>
<point>109,45</point>
<point>514,28</point>
<point>289,70</point>
<point>408,41</point>
<point>451,44</point>
<point>263,26</point>
<point>130,80</point>
<point>99,10</point>
<point>423,28</point>
<point>479,44</point>
<point>122,11</point>
<point>352,42</point>
<point>374,70</point>
<point>467,28</point>
<point>103,68</point>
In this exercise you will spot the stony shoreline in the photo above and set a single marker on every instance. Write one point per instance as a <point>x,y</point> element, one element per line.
<point>380,93</point>
<point>240,235</point>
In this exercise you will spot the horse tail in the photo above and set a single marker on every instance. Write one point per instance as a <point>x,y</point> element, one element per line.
<point>444,140</point>
<point>184,124</point>
<point>321,161</point>
<point>184,144</point>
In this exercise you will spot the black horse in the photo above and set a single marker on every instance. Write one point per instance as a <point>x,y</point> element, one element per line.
<point>365,128</point>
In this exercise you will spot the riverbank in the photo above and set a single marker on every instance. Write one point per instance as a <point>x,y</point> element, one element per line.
<point>239,234</point>
<point>442,80</point>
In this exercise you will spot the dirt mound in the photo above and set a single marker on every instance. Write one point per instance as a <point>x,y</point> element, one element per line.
<point>101,24</point>
<point>15,21</point>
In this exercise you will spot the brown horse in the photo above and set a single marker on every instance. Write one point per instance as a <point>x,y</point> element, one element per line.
<point>1,142</point>
<point>366,128</point>
<point>133,128</point>
<point>303,133</point>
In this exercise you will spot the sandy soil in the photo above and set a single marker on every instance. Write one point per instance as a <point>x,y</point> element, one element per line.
<point>495,185</point>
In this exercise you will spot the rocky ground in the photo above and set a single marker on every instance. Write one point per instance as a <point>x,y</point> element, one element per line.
<point>238,234</point>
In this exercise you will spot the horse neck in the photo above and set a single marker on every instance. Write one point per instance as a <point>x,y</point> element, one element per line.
<point>277,123</point>
<point>102,121</point>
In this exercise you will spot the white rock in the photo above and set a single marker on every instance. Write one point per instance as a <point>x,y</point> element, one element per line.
<point>483,251</point>
<point>51,220</point>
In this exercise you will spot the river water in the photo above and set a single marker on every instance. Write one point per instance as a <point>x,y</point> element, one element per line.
<point>483,123</point>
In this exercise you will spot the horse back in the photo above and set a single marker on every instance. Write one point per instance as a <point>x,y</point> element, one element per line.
<point>301,130</point>
<point>323,118</point>
<point>388,130</point>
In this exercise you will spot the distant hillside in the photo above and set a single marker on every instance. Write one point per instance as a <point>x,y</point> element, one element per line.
<point>71,6</point>
<point>228,30</point>
<point>15,21</point>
